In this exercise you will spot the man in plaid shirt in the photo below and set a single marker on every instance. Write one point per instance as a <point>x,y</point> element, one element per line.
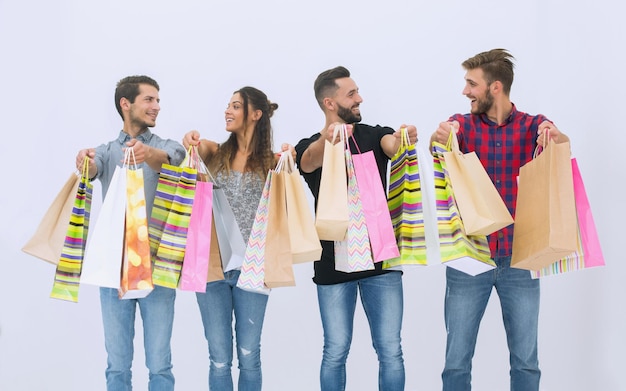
<point>504,139</point>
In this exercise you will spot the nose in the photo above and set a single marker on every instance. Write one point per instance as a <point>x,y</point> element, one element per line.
<point>466,90</point>
<point>358,98</point>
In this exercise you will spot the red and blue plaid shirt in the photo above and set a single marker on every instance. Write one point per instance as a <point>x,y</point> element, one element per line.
<point>502,149</point>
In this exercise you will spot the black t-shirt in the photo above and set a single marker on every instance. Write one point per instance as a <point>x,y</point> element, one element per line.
<point>368,139</point>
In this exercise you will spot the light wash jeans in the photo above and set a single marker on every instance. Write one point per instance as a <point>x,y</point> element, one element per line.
<point>465,303</point>
<point>382,301</point>
<point>217,305</point>
<point>118,316</point>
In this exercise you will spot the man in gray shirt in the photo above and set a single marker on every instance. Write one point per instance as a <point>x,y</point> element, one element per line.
<point>137,102</point>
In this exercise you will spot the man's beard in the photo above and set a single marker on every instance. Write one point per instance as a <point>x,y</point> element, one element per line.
<point>484,105</point>
<point>347,115</point>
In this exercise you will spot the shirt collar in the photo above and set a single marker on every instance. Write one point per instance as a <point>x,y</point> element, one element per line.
<point>144,137</point>
<point>507,121</point>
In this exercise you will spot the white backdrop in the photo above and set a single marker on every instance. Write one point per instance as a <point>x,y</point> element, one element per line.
<point>61,60</point>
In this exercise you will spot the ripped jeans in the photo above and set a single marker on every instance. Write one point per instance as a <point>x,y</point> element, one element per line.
<point>217,305</point>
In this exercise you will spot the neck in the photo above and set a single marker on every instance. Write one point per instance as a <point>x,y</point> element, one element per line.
<point>500,111</point>
<point>133,131</point>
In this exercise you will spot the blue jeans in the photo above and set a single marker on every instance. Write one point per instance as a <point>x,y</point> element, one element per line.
<point>465,303</point>
<point>217,305</point>
<point>382,301</point>
<point>118,316</point>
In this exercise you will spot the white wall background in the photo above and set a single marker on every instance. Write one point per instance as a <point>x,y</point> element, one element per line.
<point>59,64</point>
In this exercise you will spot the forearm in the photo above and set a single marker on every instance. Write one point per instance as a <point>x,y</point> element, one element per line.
<point>155,158</point>
<point>313,156</point>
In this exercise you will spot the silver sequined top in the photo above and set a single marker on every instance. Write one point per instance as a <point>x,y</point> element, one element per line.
<point>243,191</point>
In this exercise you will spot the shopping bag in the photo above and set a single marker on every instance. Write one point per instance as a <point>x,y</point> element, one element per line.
<point>252,275</point>
<point>354,254</point>
<point>377,217</point>
<point>215,271</point>
<point>588,253</point>
<point>136,281</point>
<point>68,270</point>
<point>480,205</point>
<point>229,237</point>
<point>195,267</point>
<point>545,227</point>
<point>467,253</point>
<point>47,241</point>
<point>170,252</point>
<point>278,264</point>
<point>405,206</point>
<point>331,213</point>
<point>104,254</point>
<point>425,163</point>
<point>303,239</point>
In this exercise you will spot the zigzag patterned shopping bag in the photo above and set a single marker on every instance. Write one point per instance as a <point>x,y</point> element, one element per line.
<point>67,275</point>
<point>405,206</point>
<point>469,254</point>
<point>252,276</point>
<point>354,253</point>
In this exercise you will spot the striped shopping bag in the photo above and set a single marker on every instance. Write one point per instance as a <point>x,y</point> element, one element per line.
<point>169,222</point>
<point>469,254</point>
<point>67,275</point>
<point>405,206</point>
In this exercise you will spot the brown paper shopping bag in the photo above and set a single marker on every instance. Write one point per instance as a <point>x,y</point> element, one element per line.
<point>545,227</point>
<point>47,242</point>
<point>278,259</point>
<point>304,241</point>
<point>331,214</point>
<point>480,205</point>
<point>215,272</point>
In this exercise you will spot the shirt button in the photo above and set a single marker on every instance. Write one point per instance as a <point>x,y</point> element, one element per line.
<point>497,144</point>
<point>500,235</point>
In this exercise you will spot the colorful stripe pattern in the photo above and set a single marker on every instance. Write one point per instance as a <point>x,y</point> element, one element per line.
<point>357,243</point>
<point>168,260</point>
<point>405,206</point>
<point>252,274</point>
<point>454,243</point>
<point>67,275</point>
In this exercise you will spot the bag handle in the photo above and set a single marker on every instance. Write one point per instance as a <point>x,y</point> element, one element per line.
<point>453,140</point>
<point>85,171</point>
<point>195,161</point>
<point>539,148</point>
<point>128,154</point>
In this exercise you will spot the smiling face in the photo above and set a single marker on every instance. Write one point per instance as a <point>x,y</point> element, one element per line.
<point>478,91</point>
<point>143,112</point>
<point>348,100</point>
<point>235,115</point>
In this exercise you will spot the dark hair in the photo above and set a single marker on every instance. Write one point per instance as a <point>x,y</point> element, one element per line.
<point>497,65</point>
<point>128,88</point>
<point>261,158</point>
<point>325,84</point>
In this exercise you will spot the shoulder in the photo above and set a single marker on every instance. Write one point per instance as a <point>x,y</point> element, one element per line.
<point>305,142</point>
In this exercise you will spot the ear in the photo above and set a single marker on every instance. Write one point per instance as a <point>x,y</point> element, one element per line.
<point>257,114</point>
<point>125,104</point>
<point>329,104</point>
<point>496,87</point>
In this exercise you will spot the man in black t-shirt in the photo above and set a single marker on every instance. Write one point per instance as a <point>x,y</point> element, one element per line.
<point>380,290</point>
